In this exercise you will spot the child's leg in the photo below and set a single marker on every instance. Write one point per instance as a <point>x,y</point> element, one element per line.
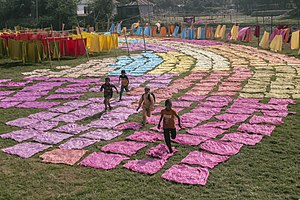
<point>149,112</point>
<point>167,139</point>
<point>108,102</point>
<point>121,92</point>
<point>105,102</point>
<point>144,113</point>
<point>126,89</point>
<point>173,134</point>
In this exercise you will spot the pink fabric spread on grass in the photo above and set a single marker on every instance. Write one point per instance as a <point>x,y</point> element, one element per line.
<point>191,98</point>
<point>6,93</point>
<point>220,98</point>
<point>21,135</point>
<point>77,143</point>
<point>243,138</point>
<point>220,124</point>
<point>161,151</point>
<point>255,128</point>
<point>206,110</point>
<point>204,159</point>
<point>215,104</point>
<point>129,125</point>
<point>101,134</point>
<point>278,107</point>
<point>126,148</point>
<point>38,104</point>
<point>51,137</point>
<point>68,118</point>
<point>62,156</point>
<point>222,148</point>
<point>64,96</point>
<point>182,104</point>
<point>186,174</point>
<point>237,110</point>
<point>62,109</point>
<point>8,104</point>
<point>43,125</point>
<point>72,128</point>
<point>19,99</point>
<point>210,132</point>
<point>145,136</point>
<point>272,113</point>
<point>101,160</point>
<point>281,101</point>
<point>234,118</point>
<point>190,139</point>
<point>264,119</point>
<point>153,119</point>
<point>77,103</point>
<point>43,115</point>
<point>26,150</point>
<point>145,166</point>
<point>71,90</point>
<point>22,122</point>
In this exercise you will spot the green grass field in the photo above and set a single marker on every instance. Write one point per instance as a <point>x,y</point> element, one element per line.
<point>269,170</point>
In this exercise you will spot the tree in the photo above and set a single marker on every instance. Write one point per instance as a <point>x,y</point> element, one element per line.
<point>100,10</point>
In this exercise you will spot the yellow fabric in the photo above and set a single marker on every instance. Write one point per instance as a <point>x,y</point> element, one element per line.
<point>276,44</point>
<point>198,33</point>
<point>217,33</point>
<point>15,49</point>
<point>264,43</point>
<point>295,40</point>
<point>222,32</point>
<point>234,32</point>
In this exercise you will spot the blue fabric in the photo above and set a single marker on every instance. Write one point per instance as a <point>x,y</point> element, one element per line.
<point>183,33</point>
<point>202,34</point>
<point>147,31</point>
<point>191,34</point>
<point>112,28</point>
<point>132,29</point>
<point>175,34</point>
<point>139,31</point>
<point>119,29</point>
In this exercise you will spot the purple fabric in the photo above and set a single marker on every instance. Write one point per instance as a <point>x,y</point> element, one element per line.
<point>233,118</point>
<point>191,98</point>
<point>22,122</point>
<point>238,110</point>
<point>54,80</point>
<point>243,138</point>
<point>51,137</point>
<point>190,139</point>
<point>126,148</point>
<point>161,151</point>
<point>31,93</point>
<point>181,103</point>
<point>43,125</point>
<point>21,135</point>
<point>26,150</point>
<point>106,123</point>
<point>192,119</point>
<point>255,128</point>
<point>215,104</point>
<point>281,101</point>
<point>43,115</point>
<point>220,124</point>
<point>37,88</point>
<point>85,112</point>
<point>219,99</point>
<point>272,113</point>
<point>154,119</point>
<point>66,118</point>
<point>64,96</point>
<point>6,93</point>
<point>222,148</point>
<point>264,119</point>
<point>145,136</point>
<point>8,104</point>
<point>79,85</point>
<point>19,99</point>
<point>97,106</point>
<point>210,132</point>
<point>96,100</point>
<point>101,160</point>
<point>72,128</point>
<point>77,103</point>
<point>62,109</point>
<point>186,174</point>
<point>38,104</point>
<point>129,125</point>
<point>200,110</point>
<point>102,134</point>
<point>145,166</point>
<point>204,159</point>
<point>71,90</point>
<point>278,107</point>
<point>15,84</point>
<point>52,84</point>
<point>77,143</point>
<point>4,80</point>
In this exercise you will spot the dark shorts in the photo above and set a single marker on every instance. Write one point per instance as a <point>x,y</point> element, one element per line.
<point>171,131</point>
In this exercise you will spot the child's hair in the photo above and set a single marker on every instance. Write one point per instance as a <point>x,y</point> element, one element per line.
<point>107,79</point>
<point>167,102</point>
<point>123,72</point>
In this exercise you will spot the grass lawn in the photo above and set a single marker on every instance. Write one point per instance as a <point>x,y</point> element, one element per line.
<point>269,170</point>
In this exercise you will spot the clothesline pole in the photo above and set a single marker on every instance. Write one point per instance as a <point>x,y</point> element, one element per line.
<point>126,42</point>
<point>114,45</point>
<point>144,40</point>
<point>49,52</point>
<point>86,51</point>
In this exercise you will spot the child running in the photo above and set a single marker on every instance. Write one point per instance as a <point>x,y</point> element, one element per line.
<point>108,92</point>
<point>168,115</point>
<point>124,83</point>
<point>147,102</point>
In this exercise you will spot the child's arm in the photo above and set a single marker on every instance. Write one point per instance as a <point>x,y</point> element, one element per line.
<point>140,103</point>
<point>179,124</point>
<point>116,88</point>
<point>101,89</point>
<point>161,117</point>
<point>119,80</point>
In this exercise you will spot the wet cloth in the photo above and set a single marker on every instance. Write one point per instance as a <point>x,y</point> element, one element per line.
<point>276,44</point>
<point>145,136</point>
<point>62,156</point>
<point>161,151</point>
<point>222,148</point>
<point>264,43</point>
<point>26,150</point>
<point>243,138</point>
<point>258,129</point>
<point>204,159</point>
<point>295,40</point>
<point>126,148</point>
<point>146,166</point>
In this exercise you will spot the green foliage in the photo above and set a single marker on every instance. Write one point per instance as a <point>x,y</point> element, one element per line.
<point>99,10</point>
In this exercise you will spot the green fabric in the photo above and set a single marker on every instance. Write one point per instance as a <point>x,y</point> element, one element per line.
<point>15,49</point>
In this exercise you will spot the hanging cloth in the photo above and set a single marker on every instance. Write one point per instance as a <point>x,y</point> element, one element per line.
<point>183,33</point>
<point>295,40</point>
<point>147,31</point>
<point>257,31</point>
<point>217,33</point>
<point>153,31</point>
<point>234,32</point>
<point>276,44</point>
<point>223,32</point>
<point>264,43</point>
<point>202,34</point>
<point>175,34</point>
<point>198,33</point>
<point>163,31</point>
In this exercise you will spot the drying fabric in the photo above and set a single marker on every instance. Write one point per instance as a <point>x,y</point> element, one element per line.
<point>72,128</point>
<point>210,132</point>
<point>264,43</point>
<point>186,174</point>
<point>68,118</point>
<point>101,134</point>
<point>106,123</point>
<point>129,126</point>
<point>222,148</point>
<point>43,125</point>
<point>21,135</point>
<point>21,99</point>
<point>77,143</point>
<point>278,107</point>
<point>238,110</point>
<point>36,104</point>
<point>259,129</point>
<point>101,160</point>
<point>146,166</point>
<point>220,124</point>
<point>191,98</point>
<point>64,96</point>
<point>8,104</point>
<point>62,156</point>
<point>190,139</point>
<point>204,159</point>
<point>126,148</point>
<point>145,136</point>
<point>161,151</point>
<point>264,119</point>
<point>257,31</point>
<point>295,40</point>
<point>234,32</point>
<point>43,115</point>
<point>6,93</point>
<point>22,122</point>
<point>223,32</point>
<point>181,103</point>
<point>62,109</point>
<point>77,103</point>
<point>276,44</point>
<point>275,113</point>
<point>281,101</point>
<point>233,118</point>
<point>219,98</point>
<point>71,90</point>
<point>26,150</point>
<point>51,137</point>
<point>216,104</point>
<point>217,33</point>
<point>243,138</point>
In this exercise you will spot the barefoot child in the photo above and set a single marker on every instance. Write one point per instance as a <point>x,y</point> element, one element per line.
<point>147,102</point>
<point>168,116</point>
<point>108,92</point>
<point>124,83</point>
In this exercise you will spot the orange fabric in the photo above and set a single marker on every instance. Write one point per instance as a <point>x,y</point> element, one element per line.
<point>168,118</point>
<point>68,157</point>
<point>163,32</point>
<point>153,31</point>
<point>171,29</point>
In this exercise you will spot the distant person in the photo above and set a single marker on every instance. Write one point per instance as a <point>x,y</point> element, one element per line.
<point>168,116</point>
<point>108,92</point>
<point>123,78</point>
<point>147,102</point>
